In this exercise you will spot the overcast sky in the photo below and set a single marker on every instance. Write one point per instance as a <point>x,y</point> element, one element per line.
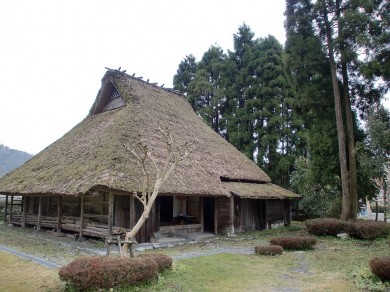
<point>53,53</point>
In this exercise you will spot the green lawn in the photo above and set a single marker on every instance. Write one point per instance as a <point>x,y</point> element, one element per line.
<point>333,265</point>
<point>17,274</point>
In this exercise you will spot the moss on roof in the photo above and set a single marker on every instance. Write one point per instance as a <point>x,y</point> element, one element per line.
<point>93,154</point>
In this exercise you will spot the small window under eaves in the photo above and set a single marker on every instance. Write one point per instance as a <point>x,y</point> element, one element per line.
<point>108,99</point>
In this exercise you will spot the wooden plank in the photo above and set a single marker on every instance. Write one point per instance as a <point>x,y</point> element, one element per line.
<point>59,213</point>
<point>110,213</point>
<point>39,221</point>
<point>81,218</point>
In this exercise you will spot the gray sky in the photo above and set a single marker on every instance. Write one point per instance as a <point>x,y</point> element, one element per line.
<point>53,53</point>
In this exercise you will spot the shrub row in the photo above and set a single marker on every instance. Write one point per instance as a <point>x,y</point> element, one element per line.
<point>268,249</point>
<point>163,261</point>
<point>363,229</point>
<point>381,267</point>
<point>296,243</point>
<point>95,272</point>
<point>327,226</point>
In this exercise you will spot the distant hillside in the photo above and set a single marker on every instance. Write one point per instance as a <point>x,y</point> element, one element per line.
<point>11,159</point>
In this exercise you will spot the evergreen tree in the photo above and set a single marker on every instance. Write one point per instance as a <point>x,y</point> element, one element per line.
<point>184,74</point>
<point>240,127</point>
<point>206,91</point>
<point>313,117</point>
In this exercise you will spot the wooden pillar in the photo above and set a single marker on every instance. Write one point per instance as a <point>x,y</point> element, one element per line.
<point>24,206</point>
<point>287,212</point>
<point>59,213</point>
<point>110,213</point>
<point>132,212</point>
<point>81,218</point>
<point>201,215</point>
<point>266,213</point>
<point>6,209</point>
<point>231,214</point>
<point>11,208</point>
<point>215,216</point>
<point>39,223</point>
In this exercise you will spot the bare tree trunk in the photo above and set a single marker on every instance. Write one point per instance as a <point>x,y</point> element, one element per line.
<point>353,193</point>
<point>384,198</point>
<point>346,205</point>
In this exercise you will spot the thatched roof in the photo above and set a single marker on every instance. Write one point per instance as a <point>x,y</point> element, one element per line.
<point>256,191</point>
<point>93,154</point>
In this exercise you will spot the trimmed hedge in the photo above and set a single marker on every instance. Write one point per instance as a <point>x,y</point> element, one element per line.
<point>296,243</point>
<point>163,261</point>
<point>268,249</point>
<point>327,226</point>
<point>381,267</point>
<point>95,272</point>
<point>368,229</point>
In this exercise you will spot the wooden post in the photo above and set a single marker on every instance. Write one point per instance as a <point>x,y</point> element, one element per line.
<point>59,212</point>
<point>5,208</point>
<point>132,212</point>
<point>232,214</point>
<point>39,223</point>
<point>11,208</point>
<point>201,215</point>
<point>110,213</point>
<point>215,216</point>
<point>266,213</point>
<point>81,218</point>
<point>24,206</point>
<point>287,212</point>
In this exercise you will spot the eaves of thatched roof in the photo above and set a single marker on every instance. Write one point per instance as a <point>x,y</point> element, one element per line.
<point>259,191</point>
<point>94,154</point>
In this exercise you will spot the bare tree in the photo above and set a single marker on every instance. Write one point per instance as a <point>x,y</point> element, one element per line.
<point>158,175</point>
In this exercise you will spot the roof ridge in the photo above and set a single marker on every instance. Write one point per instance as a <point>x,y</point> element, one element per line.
<point>154,84</point>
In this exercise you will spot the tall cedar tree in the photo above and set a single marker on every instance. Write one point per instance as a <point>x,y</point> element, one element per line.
<point>313,117</point>
<point>350,29</point>
<point>206,91</point>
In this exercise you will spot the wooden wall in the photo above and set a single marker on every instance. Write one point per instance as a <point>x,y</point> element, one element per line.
<point>222,209</point>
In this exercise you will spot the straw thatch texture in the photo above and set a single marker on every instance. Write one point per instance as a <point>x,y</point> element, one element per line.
<point>93,154</point>
<point>259,191</point>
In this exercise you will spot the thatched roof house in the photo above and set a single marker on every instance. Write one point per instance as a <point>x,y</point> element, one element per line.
<point>93,158</point>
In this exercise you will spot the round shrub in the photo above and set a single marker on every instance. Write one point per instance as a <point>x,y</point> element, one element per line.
<point>368,229</point>
<point>297,243</point>
<point>381,267</point>
<point>268,249</point>
<point>327,226</point>
<point>95,272</point>
<point>163,261</point>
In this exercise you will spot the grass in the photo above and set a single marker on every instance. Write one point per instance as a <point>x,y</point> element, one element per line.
<point>22,275</point>
<point>333,265</point>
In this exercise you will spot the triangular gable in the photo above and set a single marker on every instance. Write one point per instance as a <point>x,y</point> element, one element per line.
<point>108,99</point>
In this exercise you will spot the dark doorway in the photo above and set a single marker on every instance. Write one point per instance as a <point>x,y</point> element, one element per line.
<point>208,214</point>
<point>166,210</point>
